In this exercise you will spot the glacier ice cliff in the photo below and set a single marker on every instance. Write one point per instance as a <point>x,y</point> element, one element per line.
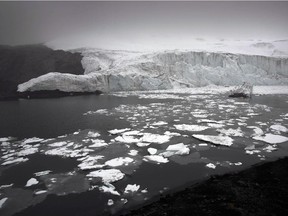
<point>110,70</point>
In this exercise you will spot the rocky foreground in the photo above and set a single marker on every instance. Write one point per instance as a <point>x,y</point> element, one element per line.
<point>260,190</point>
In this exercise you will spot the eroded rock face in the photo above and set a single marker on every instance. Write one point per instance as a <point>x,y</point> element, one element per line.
<point>21,63</point>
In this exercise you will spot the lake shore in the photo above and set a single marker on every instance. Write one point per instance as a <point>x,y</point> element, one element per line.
<point>259,190</point>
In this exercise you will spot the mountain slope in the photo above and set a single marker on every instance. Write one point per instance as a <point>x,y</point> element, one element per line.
<point>22,63</point>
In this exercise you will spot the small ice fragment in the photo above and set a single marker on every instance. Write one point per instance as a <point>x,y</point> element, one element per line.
<point>117,131</point>
<point>211,165</point>
<point>152,151</point>
<point>110,202</point>
<point>141,144</point>
<point>40,192</point>
<point>109,188</point>
<point>31,182</point>
<point>46,172</point>
<point>131,188</point>
<point>202,144</point>
<point>124,201</point>
<point>92,134</point>
<point>144,190</point>
<point>2,201</point>
<point>133,152</point>
<point>58,144</point>
<point>97,143</point>
<point>6,186</point>
<point>238,163</point>
<point>160,123</point>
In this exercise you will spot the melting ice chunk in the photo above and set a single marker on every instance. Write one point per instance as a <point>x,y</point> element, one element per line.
<point>31,182</point>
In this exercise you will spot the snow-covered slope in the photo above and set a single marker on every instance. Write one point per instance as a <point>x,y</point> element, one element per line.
<point>109,70</point>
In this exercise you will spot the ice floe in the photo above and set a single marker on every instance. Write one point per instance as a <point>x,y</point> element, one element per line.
<point>97,143</point>
<point>31,182</point>
<point>176,149</point>
<point>217,140</point>
<point>121,161</point>
<point>91,162</point>
<point>131,188</point>
<point>279,128</point>
<point>231,132</point>
<point>156,158</point>
<point>108,175</point>
<point>109,188</point>
<point>271,138</point>
<point>155,138</point>
<point>32,140</point>
<point>93,134</point>
<point>187,127</point>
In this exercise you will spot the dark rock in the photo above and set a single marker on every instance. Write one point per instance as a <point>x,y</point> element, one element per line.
<point>18,64</point>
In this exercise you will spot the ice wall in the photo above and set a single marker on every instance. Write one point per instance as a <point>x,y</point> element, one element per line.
<point>122,71</point>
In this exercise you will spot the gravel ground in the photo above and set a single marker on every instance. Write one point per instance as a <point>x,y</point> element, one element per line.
<point>260,190</point>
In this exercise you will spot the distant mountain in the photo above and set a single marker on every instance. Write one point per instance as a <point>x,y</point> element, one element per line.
<point>19,64</point>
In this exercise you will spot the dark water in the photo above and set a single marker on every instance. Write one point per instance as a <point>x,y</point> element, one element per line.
<point>49,118</point>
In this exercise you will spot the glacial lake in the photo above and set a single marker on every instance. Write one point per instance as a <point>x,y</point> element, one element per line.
<point>97,155</point>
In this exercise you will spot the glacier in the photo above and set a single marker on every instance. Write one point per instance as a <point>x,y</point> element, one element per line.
<point>118,70</point>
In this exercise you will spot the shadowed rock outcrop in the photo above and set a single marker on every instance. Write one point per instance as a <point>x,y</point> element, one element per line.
<point>21,63</point>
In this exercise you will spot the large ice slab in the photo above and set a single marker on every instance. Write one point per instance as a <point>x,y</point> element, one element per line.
<point>217,140</point>
<point>271,138</point>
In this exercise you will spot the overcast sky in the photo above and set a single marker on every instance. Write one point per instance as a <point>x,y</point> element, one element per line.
<point>34,22</point>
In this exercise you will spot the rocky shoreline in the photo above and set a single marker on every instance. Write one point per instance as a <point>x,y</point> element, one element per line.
<point>259,190</point>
